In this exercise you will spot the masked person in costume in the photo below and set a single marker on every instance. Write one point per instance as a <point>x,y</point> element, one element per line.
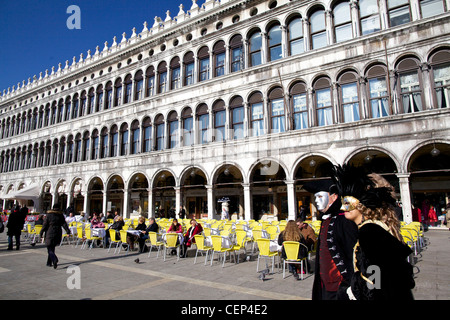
<point>381,269</point>
<point>333,265</point>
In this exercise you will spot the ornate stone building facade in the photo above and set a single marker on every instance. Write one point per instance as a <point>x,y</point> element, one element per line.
<point>245,99</point>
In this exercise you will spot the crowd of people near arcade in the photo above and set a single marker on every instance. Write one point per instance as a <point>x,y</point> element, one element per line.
<point>431,212</point>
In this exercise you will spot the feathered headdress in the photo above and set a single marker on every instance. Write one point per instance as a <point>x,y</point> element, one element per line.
<point>355,185</point>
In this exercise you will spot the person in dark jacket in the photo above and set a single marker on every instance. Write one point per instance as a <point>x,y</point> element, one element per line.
<point>15,224</point>
<point>117,225</point>
<point>381,269</point>
<point>333,268</point>
<point>152,227</point>
<point>53,233</point>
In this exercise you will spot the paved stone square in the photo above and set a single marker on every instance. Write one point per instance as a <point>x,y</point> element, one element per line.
<point>109,276</point>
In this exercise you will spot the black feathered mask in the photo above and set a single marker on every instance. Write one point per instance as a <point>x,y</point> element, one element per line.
<point>355,186</point>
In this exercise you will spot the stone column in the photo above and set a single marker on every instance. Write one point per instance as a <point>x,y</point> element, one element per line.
<point>405,194</point>
<point>264,47</point>
<point>177,200</point>
<point>284,41</point>
<point>86,203</point>
<point>355,19</point>
<point>105,202</point>
<point>126,195</point>
<point>247,201</point>
<point>151,212</point>
<point>292,214</point>
<point>427,87</point>
<point>210,193</point>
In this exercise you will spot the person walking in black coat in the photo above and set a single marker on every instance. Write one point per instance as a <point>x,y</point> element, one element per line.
<point>53,233</point>
<point>334,256</point>
<point>15,224</point>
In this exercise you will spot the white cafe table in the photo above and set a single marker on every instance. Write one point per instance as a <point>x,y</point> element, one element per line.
<point>98,232</point>
<point>134,232</point>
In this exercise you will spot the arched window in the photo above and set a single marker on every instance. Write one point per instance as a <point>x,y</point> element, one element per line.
<point>99,103</point>
<point>109,95</point>
<point>47,112</point>
<point>188,62</point>
<point>323,102</point>
<point>78,148</point>
<point>68,109</point>
<point>188,127</point>
<point>202,123</point>
<point>95,145</point>
<point>175,73</point>
<point>219,58</point>
<point>237,117</point>
<point>410,85</point>
<point>274,42</point>
<point>11,160</point>
<point>256,114</point>
<point>29,157</point>
<point>277,114</point>
<point>255,45</point>
<point>91,98</point>
<point>147,131</point>
<point>150,78</point>
<point>104,141</point>
<point>139,83</point>
<point>76,105</point>
<point>342,19</point>
<point>114,134</point>
<point>86,146</point>
<point>70,149</point>
<point>318,31</point>
<point>203,63</point>
<point>378,92</point>
<point>118,92</point>
<point>162,77</point>
<point>295,36</point>
<point>35,119</point>
<point>398,12</point>
<point>83,104</point>
<point>440,70</point>
<point>219,120</point>
<point>237,53</point>
<point>62,150</point>
<point>369,16</point>
<point>54,159</point>
<point>38,155</point>
<point>124,139</point>
<point>172,119</point>
<point>160,132</point>
<point>12,126</point>
<point>299,106</point>
<point>23,164</point>
<point>45,154</point>
<point>128,88</point>
<point>135,137</point>
<point>349,97</point>
<point>431,8</point>
<point>23,128</point>
<point>60,113</point>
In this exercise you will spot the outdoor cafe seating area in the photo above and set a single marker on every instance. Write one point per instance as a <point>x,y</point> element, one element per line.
<point>221,243</point>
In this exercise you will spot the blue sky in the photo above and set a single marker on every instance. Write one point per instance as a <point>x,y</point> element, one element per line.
<point>34,34</point>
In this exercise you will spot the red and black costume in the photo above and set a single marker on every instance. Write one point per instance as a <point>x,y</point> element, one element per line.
<point>333,265</point>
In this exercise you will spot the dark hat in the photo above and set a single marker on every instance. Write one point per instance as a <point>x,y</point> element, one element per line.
<point>326,185</point>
